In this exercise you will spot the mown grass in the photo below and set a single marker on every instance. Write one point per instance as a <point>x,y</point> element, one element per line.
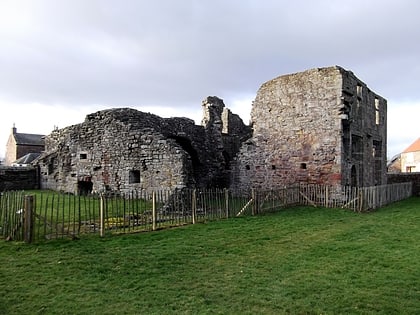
<point>300,260</point>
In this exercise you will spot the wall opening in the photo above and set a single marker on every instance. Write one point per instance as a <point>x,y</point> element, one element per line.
<point>354,177</point>
<point>186,145</point>
<point>85,186</point>
<point>359,91</point>
<point>303,166</point>
<point>357,156</point>
<point>134,177</point>
<point>52,165</point>
<point>377,112</point>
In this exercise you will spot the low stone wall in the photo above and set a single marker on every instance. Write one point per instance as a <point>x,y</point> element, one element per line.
<point>18,178</point>
<point>406,177</point>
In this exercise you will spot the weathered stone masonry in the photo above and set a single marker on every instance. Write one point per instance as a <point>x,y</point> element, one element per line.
<point>320,126</point>
<point>125,149</point>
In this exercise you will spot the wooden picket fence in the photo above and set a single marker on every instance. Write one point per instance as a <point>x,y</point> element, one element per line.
<point>46,215</point>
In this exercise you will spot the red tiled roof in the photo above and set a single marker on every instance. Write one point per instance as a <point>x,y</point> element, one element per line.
<point>414,147</point>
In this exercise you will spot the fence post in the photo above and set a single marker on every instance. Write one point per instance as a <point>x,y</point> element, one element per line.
<point>254,197</point>
<point>227,202</point>
<point>193,206</point>
<point>153,210</point>
<point>101,216</point>
<point>326,197</point>
<point>28,217</point>
<point>361,193</point>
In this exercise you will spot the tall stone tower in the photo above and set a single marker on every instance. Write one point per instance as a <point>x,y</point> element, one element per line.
<point>321,126</point>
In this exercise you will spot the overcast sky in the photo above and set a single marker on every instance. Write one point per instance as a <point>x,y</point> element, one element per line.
<point>63,59</point>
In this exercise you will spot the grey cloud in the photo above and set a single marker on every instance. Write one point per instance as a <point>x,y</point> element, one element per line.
<point>175,53</point>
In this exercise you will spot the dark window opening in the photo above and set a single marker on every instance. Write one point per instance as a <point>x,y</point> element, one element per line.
<point>353,177</point>
<point>186,145</point>
<point>273,167</point>
<point>85,186</point>
<point>247,167</point>
<point>377,113</point>
<point>303,166</point>
<point>359,91</point>
<point>357,148</point>
<point>51,166</point>
<point>134,177</point>
<point>83,156</point>
<point>377,149</point>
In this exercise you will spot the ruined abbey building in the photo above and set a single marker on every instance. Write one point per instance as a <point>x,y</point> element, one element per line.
<point>321,126</point>
<point>122,150</point>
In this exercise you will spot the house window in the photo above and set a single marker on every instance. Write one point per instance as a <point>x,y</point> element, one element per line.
<point>303,166</point>
<point>83,156</point>
<point>410,169</point>
<point>134,177</point>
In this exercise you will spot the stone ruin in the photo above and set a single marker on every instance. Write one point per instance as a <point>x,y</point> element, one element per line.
<point>121,150</point>
<point>321,126</point>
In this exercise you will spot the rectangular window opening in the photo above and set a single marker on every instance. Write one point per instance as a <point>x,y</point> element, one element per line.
<point>377,112</point>
<point>134,177</point>
<point>359,91</point>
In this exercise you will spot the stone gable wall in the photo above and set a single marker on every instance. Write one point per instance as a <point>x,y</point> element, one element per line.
<point>298,133</point>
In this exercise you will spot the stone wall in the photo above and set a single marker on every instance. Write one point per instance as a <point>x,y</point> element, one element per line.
<point>18,178</point>
<point>125,149</point>
<point>317,126</point>
<point>406,177</point>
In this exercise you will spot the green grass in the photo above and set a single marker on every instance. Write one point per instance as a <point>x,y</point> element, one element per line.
<point>301,260</point>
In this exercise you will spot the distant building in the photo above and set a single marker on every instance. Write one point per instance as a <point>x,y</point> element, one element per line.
<point>410,158</point>
<point>26,159</point>
<point>394,165</point>
<point>21,144</point>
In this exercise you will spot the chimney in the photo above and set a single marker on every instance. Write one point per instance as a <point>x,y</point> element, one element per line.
<point>14,129</point>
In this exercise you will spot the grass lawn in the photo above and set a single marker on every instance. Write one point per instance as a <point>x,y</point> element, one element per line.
<point>302,260</point>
